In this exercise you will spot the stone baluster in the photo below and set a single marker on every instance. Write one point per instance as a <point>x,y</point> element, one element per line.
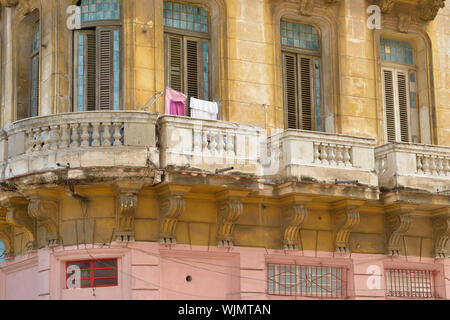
<point>317,152</point>
<point>84,134</point>
<point>205,143</point>
<point>230,145</point>
<point>339,156</point>
<point>426,165</point>
<point>74,135</point>
<point>221,144</point>
<point>419,165</point>
<point>440,166</point>
<point>96,134</point>
<point>65,136</point>
<point>197,137</point>
<point>347,156</point>
<point>447,166</point>
<point>332,154</point>
<point>106,141</point>
<point>323,154</point>
<point>434,166</point>
<point>46,138</point>
<point>213,143</point>
<point>117,134</point>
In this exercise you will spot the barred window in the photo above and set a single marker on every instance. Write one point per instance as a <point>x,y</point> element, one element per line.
<point>404,283</point>
<point>96,273</point>
<point>307,281</point>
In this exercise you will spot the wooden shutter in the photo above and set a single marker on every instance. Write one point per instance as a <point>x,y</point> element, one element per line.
<point>290,90</point>
<point>403,105</point>
<point>90,67</point>
<point>174,56</point>
<point>389,104</point>
<point>306,93</point>
<point>193,73</point>
<point>104,69</point>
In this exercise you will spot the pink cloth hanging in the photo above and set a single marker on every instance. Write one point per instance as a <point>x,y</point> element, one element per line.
<point>175,103</point>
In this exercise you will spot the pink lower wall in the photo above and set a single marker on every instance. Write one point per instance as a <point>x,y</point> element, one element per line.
<point>155,271</point>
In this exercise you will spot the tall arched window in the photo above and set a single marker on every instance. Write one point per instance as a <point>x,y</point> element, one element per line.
<point>97,56</point>
<point>400,101</point>
<point>187,50</point>
<point>301,54</point>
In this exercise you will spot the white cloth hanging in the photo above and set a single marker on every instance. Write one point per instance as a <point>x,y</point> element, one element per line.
<point>202,109</point>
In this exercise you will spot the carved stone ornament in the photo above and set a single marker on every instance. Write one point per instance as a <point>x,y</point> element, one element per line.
<point>345,218</point>
<point>172,206</point>
<point>6,236</point>
<point>429,9</point>
<point>306,7</point>
<point>441,232</point>
<point>126,204</point>
<point>23,6</point>
<point>398,221</point>
<point>386,6</point>
<point>46,213</point>
<point>404,22</point>
<point>229,210</point>
<point>17,216</point>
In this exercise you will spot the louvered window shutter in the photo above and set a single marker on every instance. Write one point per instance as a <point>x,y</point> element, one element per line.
<point>290,91</point>
<point>91,70</point>
<point>306,93</point>
<point>35,84</point>
<point>403,105</point>
<point>104,69</point>
<point>389,104</point>
<point>193,72</point>
<point>174,54</point>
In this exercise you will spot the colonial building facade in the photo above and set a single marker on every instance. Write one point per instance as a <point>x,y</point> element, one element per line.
<point>325,176</point>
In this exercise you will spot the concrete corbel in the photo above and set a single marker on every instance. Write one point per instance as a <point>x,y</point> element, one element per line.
<point>17,216</point>
<point>294,213</point>
<point>345,218</point>
<point>126,205</point>
<point>229,210</point>
<point>441,232</point>
<point>171,206</point>
<point>398,220</point>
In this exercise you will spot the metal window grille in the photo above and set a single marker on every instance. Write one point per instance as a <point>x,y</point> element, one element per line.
<point>307,281</point>
<point>410,283</point>
<point>96,273</point>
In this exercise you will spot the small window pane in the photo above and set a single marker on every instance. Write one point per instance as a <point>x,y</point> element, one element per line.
<point>299,35</point>
<point>396,51</point>
<point>97,10</point>
<point>105,264</point>
<point>183,17</point>
<point>105,282</point>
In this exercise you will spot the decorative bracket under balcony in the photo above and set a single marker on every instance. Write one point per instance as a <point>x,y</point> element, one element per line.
<point>441,232</point>
<point>45,211</point>
<point>294,213</point>
<point>229,210</point>
<point>171,206</point>
<point>398,221</point>
<point>126,205</point>
<point>345,218</point>
<point>17,216</point>
<point>427,9</point>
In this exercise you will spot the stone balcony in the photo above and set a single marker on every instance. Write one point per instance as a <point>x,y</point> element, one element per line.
<point>414,167</point>
<point>134,139</point>
<point>82,140</point>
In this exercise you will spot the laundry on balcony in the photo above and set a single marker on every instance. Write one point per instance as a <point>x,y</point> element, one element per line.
<point>175,103</point>
<point>205,110</point>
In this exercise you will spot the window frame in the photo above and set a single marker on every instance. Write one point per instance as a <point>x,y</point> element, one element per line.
<point>344,280</point>
<point>93,27</point>
<point>313,55</point>
<point>403,294</point>
<point>92,270</point>
<point>35,55</point>
<point>199,37</point>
